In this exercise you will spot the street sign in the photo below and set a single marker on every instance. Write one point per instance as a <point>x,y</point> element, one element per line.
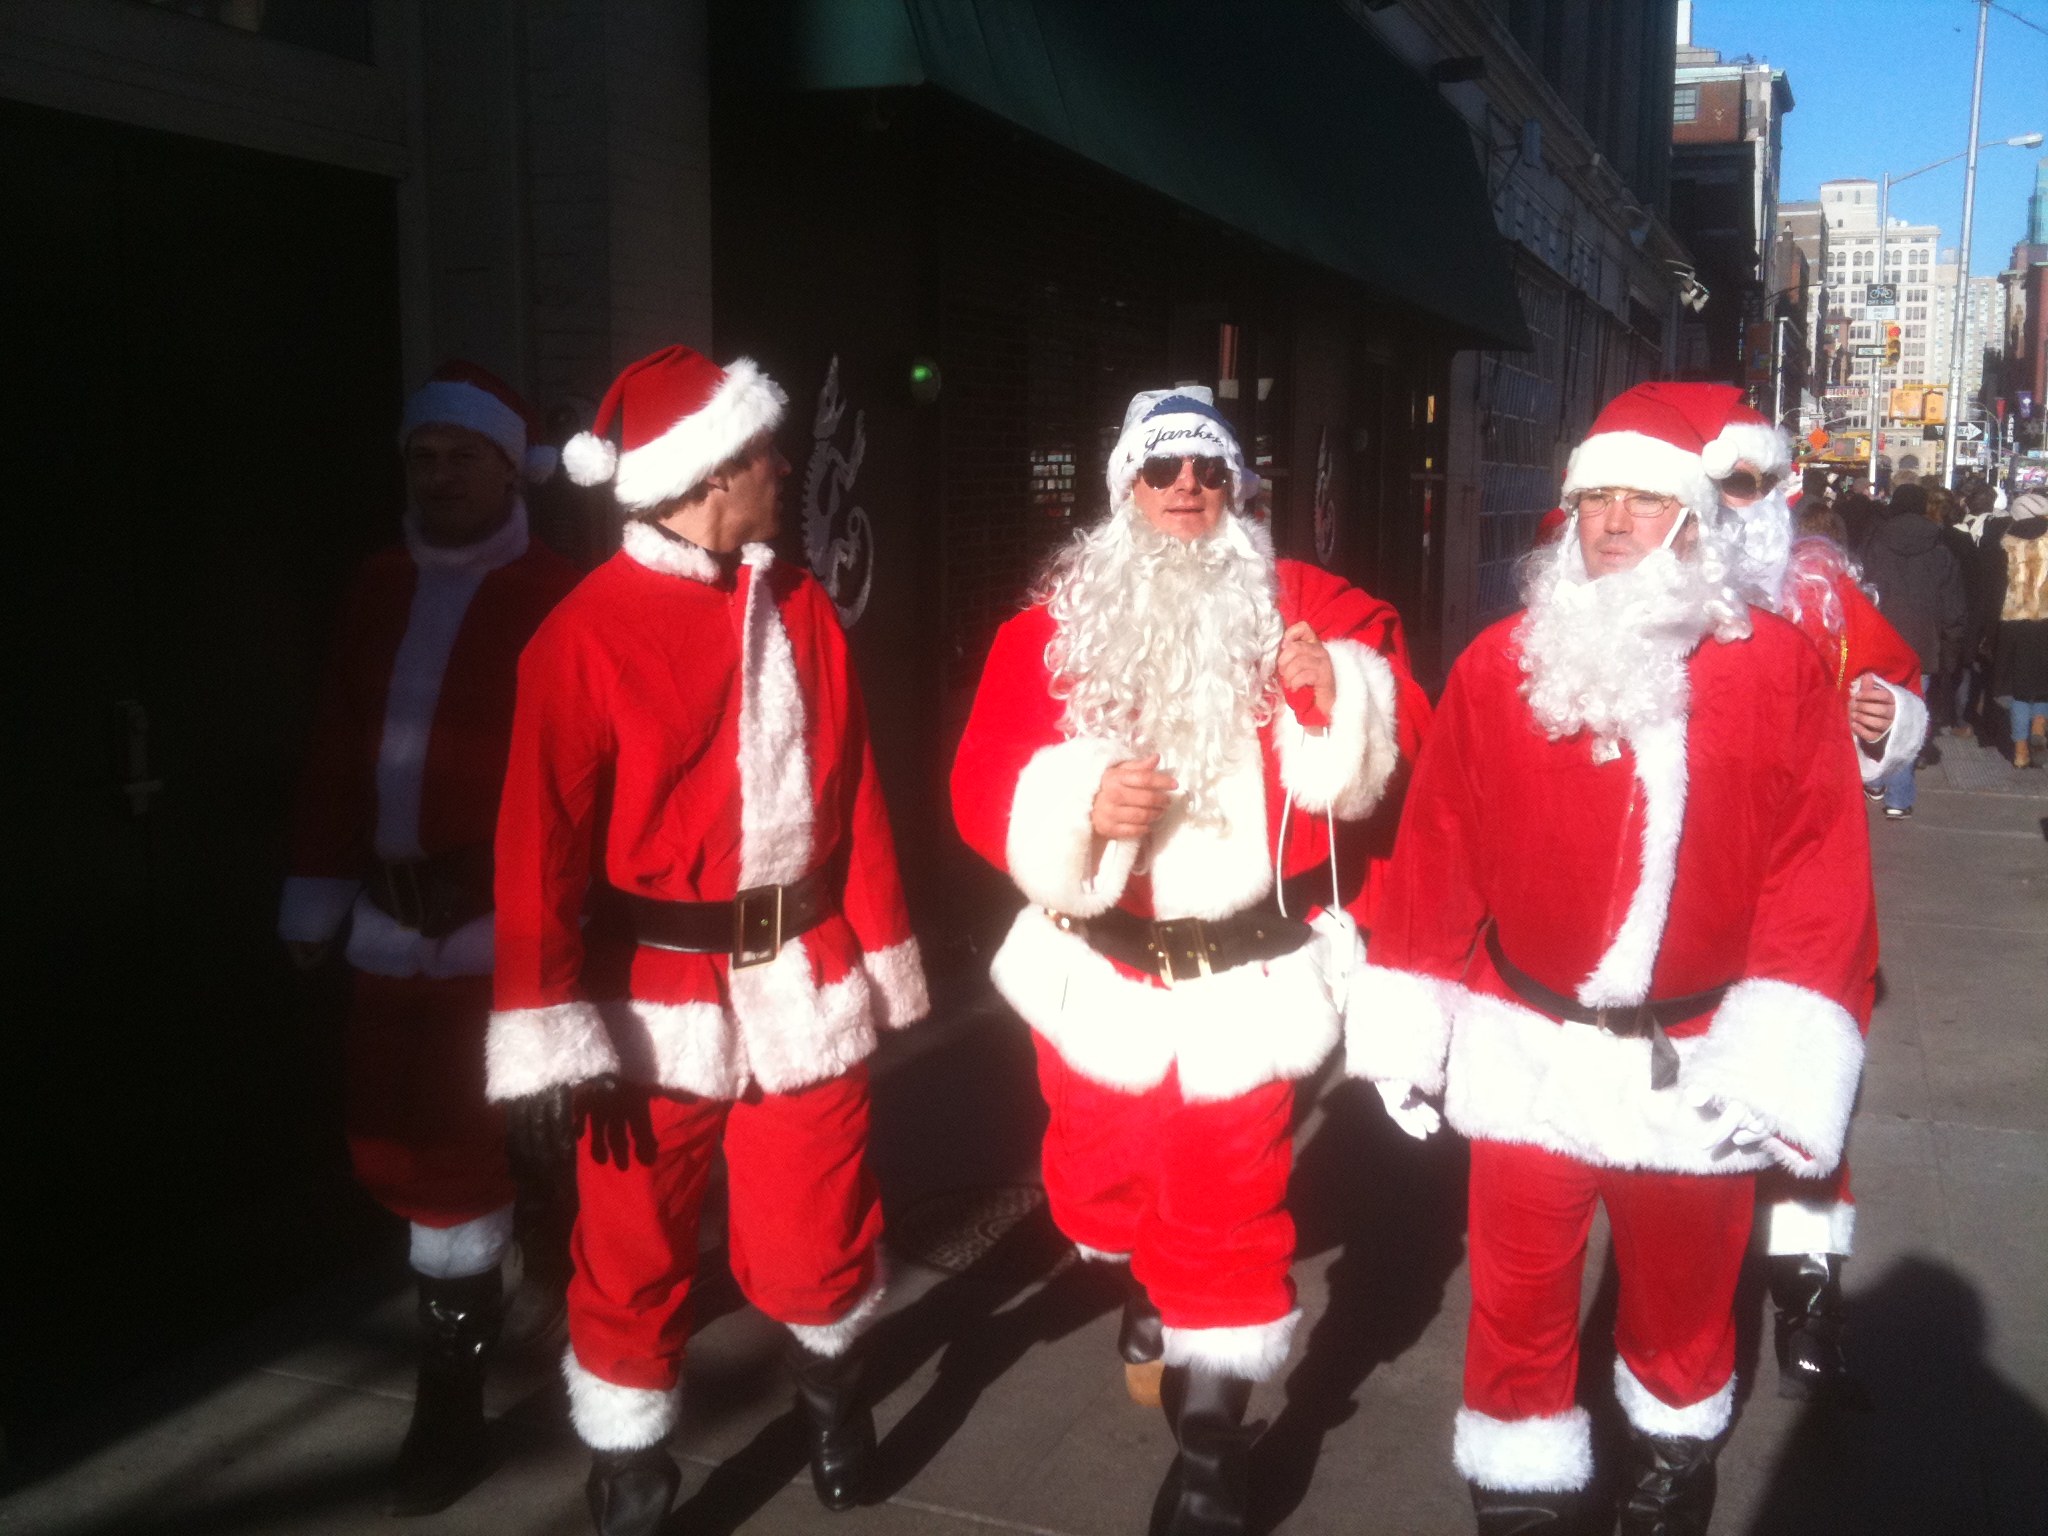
<point>1969,432</point>
<point>1881,293</point>
<point>1882,312</point>
<point>1866,350</point>
<point>1933,434</point>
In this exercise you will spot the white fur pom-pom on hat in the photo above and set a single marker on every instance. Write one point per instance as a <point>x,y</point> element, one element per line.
<point>589,460</point>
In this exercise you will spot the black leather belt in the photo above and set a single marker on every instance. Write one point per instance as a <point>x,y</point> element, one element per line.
<point>435,895</point>
<point>1628,1022</point>
<point>751,928</point>
<point>1183,948</point>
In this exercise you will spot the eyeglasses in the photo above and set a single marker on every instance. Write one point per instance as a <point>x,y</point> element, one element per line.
<point>1744,483</point>
<point>1210,473</point>
<point>1639,503</point>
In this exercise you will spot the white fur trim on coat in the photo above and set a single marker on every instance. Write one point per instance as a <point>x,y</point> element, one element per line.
<point>1653,1416</point>
<point>1100,1255</point>
<point>1902,743</point>
<point>465,1249</point>
<point>745,405</point>
<point>834,1339</point>
<point>531,1049</point>
<point>796,1032</point>
<point>1212,871</point>
<point>1227,1033</point>
<point>1623,974</point>
<point>1810,1226</point>
<point>667,553</point>
<point>896,979</point>
<point>1397,1027</point>
<point>1641,462</point>
<point>1552,1454</point>
<point>1051,843</point>
<point>1747,442</point>
<point>1345,770</point>
<point>609,1417</point>
<point>1792,1056</point>
<point>312,907</point>
<point>1254,1352</point>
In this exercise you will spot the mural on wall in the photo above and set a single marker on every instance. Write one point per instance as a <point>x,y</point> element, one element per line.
<point>839,543</point>
<point>1326,499</point>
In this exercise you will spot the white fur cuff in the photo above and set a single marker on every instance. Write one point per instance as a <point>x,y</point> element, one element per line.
<point>835,1339</point>
<point>1653,1416</point>
<point>1811,1226</point>
<point>896,975</point>
<point>530,1049</point>
<point>1397,1027</point>
<point>465,1249</point>
<point>1552,1454</point>
<point>1100,1255</point>
<point>1793,1056</point>
<point>1903,742</point>
<point>313,907</point>
<point>1051,840</point>
<point>609,1417</point>
<point>1255,1352</point>
<point>1345,770</point>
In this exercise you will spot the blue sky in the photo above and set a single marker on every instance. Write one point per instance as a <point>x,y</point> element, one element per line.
<point>1884,86</point>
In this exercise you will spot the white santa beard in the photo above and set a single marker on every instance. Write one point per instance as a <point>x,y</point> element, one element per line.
<point>1167,645</point>
<point>1761,546</point>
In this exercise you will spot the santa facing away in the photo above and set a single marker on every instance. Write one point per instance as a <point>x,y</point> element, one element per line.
<point>1160,753</point>
<point>1627,935</point>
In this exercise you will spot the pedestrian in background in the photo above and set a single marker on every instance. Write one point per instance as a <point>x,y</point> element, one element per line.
<point>2019,669</point>
<point>1860,517</point>
<point>1948,700</point>
<point>1920,589</point>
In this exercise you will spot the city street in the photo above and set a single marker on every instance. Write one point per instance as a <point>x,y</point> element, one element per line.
<point>1002,1403</point>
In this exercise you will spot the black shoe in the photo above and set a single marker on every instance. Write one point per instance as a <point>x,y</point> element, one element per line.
<point>629,1492</point>
<point>1207,1491</point>
<point>1806,1292</point>
<point>1670,1489</point>
<point>839,1425</point>
<point>1528,1514</point>
<point>1142,1338</point>
<point>447,1448</point>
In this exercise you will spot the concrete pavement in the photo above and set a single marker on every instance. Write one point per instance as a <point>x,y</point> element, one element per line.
<point>1003,1407</point>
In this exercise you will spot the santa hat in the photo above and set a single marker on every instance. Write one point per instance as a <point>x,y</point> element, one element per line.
<point>1177,423</point>
<point>1654,438</point>
<point>1746,437</point>
<point>461,394</point>
<point>678,416</point>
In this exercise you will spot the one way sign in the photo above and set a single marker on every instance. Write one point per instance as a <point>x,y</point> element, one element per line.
<point>1969,432</point>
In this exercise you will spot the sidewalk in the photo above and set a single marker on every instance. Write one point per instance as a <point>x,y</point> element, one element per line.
<point>1003,1405</point>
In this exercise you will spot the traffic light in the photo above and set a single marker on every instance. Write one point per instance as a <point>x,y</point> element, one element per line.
<point>1892,333</point>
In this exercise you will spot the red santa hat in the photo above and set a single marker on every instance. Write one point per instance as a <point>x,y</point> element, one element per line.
<point>1654,437</point>
<point>678,416</point>
<point>1746,437</point>
<point>462,394</point>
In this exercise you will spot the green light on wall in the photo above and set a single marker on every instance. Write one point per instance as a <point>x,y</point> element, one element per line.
<point>925,381</point>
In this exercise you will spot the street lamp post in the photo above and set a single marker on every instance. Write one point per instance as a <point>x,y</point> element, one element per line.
<point>1958,409</point>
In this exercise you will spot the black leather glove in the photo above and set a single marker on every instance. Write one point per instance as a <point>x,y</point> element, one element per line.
<point>540,1128</point>
<point>620,1120</point>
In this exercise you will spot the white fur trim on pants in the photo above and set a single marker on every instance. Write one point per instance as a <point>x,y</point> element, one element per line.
<point>1553,1454</point>
<point>1254,1352</point>
<point>609,1417</point>
<point>1397,1027</point>
<point>1051,841</point>
<point>1345,770</point>
<point>835,1339</point>
<point>1902,743</point>
<point>531,1049</point>
<point>1810,1226</point>
<point>1653,1416</point>
<point>468,1248</point>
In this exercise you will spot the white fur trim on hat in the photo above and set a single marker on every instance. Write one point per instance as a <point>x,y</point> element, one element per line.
<point>1179,432</point>
<point>1638,461</point>
<point>1254,1352</point>
<point>455,403</point>
<point>747,404</point>
<point>589,460</point>
<point>1542,1454</point>
<point>1747,442</point>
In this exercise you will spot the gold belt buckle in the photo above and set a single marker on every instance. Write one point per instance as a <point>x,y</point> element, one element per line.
<point>757,922</point>
<point>1185,938</point>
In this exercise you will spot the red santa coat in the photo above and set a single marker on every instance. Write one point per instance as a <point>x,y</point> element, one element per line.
<point>1022,796</point>
<point>684,734</point>
<point>1821,596</point>
<point>1727,848</point>
<point>409,744</point>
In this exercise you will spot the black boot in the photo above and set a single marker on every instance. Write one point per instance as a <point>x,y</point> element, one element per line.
<point>1207,1491</point>
<point>447,1448</point>
<point>1142,1338</point>
<point>630,1491</point>
<point>838,1423</point>
<point>1520,1514</point>
<point>1670,1490</point>
<point>1806,1291</point>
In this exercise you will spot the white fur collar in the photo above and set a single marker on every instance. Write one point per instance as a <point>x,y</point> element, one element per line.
<point>676,556</point>
<point>504,544</point>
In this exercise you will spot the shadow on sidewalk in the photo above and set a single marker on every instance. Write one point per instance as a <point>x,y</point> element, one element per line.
<point>1397,1209</point>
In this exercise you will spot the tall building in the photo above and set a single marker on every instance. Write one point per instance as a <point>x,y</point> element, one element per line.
<point>1912,261</point>
<point>1803,233</point>
<point>2023,380</point>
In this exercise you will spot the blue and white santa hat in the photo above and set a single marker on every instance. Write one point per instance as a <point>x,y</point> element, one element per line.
<point>1177,423</point>
<point>464,394</point>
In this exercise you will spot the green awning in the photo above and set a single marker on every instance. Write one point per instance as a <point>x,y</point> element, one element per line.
<point>1283,119</point>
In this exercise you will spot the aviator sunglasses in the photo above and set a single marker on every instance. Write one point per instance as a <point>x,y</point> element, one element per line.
<point>1743,483</point>
<point>1210,473</point>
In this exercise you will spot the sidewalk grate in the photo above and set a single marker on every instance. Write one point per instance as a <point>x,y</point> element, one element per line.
<point>1970,765</point>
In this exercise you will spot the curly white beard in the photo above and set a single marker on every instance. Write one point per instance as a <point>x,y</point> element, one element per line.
<point>1167,645</point>
<point>1609,656</point>
<point>1761,546</point>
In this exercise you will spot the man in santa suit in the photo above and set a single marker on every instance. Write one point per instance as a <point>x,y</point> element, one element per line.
<point>701,930</point>
<point>1159,755</point>
<point>1810,1223</point>
<point>1627,934</point>
<point>393,838</point>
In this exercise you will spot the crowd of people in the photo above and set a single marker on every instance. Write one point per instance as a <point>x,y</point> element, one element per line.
<point>612,866</point>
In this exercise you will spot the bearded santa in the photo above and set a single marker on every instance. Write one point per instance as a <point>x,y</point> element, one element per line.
<point>1182,753</point>
<point>1627,935</point>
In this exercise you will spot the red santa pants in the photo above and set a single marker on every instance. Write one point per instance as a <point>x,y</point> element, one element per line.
<point>801,1230</point>
<point>422,1138</point>
<point>1678,1242</point>
<point>1195,1194</point>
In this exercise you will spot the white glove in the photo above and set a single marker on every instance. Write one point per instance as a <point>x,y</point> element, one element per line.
<point>1408,1109</point>
<point>1727,1122</point>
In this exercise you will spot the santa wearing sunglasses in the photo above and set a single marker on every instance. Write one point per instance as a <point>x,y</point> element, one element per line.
<point>1184,753</point>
